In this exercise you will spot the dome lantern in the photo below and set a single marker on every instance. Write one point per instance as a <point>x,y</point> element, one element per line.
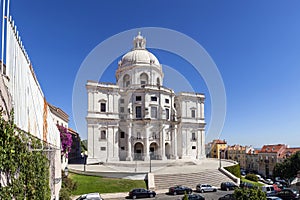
<point>139,42</point>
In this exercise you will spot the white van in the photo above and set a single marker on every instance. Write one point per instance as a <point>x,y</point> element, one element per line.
<point>269,190</point>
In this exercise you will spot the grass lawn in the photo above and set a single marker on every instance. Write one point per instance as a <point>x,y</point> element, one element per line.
<point>252,182</point>
<point>88,184</point>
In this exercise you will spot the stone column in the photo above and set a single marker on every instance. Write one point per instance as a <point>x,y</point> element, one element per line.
<point>163,147</point>
<point>202,109</point>
<point>147,144</point>
<point>175,141</point>
<point>199,144</point>
<point>202,133</point>
<point>112,140</point>
<point>129,156</point>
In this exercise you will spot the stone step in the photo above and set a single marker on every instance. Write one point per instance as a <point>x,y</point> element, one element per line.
<point>213,177</point>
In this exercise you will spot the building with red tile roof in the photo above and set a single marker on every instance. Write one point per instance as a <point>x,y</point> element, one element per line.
<point>268,156</point>
<point>238,153</point>
<point>215,147</point>
<point>252,160</point>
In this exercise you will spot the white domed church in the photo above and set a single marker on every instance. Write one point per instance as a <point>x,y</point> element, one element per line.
<point>138,118</point>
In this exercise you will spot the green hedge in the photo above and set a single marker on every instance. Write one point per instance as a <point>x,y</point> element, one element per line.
<point>235,170</point>
<point>251,177</point>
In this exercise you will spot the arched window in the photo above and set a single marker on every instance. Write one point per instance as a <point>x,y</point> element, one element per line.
<point>126,80</point>
<point>144,79</point>
<point>102,105</point>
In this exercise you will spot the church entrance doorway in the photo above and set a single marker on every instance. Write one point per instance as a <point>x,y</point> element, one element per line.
<point>138,151</point>
<point>168,150</point>
<point>153,151</point>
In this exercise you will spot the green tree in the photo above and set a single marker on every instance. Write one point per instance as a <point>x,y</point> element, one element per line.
<point>249,194</point>
<point>288,168</point>
<point>186,196</point>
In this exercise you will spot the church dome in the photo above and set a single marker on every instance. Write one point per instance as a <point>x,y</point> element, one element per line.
<point>139,54</point>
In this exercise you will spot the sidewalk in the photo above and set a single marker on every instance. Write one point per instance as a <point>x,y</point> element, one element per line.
<point>119,195</point>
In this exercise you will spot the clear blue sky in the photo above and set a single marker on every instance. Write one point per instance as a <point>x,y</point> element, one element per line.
<point>255,45</point>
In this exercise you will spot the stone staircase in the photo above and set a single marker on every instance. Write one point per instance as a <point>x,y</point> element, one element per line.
<point>208,176</point>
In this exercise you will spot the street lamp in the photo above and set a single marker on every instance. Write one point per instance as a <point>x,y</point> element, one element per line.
<point>220,158</point>
<point>84,155</point>
<point>66,171</point>
<point>150,160</point>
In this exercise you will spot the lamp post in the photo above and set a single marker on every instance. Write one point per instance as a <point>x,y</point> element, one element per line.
<point>84,155</point>
<point>150,160</point>
<point>220,158</point>
<point>66,171</point>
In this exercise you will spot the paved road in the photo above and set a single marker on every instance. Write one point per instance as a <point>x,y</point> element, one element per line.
<point>208,196</point>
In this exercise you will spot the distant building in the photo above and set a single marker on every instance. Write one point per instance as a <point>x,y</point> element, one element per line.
<point>238,153</point>
<point>290,151</point>
<point>268,156</point>
<point>62,119</point>
<point>252,160</point>
<point>217,148</point>
<point>75,153</point>
<point>138,118</point>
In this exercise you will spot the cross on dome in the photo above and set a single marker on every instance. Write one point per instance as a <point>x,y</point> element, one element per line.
<point>139,42</point>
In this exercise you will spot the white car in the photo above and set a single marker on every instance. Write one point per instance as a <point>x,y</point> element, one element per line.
<point>205,188</point>
<point>91,196</point>
<point>274,198</point>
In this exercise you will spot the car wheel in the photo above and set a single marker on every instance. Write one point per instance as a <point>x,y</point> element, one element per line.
<point>175,193</point>
<point>151,195</point>
<point>189,192</point>
<point>202,191</point>
<point>215,190</point>
<point>134,197</point>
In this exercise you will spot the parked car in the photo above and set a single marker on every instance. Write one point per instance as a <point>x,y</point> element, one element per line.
<point>141,193</point>
<point>276,188</point>
<point>269,181</point>
<point>269,190</point>
<point>228,186</point>
<point>205,188</point>
<point>194,197</point>
<point>261,179</point>
<point>246,185</point>
<point>179,189</point>
<point>227,197</point>
<point>278,184</point>
<point>284,183</point>
<point>288,194</point>
<point>91,196</point>
<point>273,198</point>
<point>243,172</point>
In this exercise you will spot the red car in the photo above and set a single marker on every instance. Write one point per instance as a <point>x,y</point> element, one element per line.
<point>276,188</point>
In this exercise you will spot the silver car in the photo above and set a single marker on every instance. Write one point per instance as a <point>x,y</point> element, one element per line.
<point>205,188</point>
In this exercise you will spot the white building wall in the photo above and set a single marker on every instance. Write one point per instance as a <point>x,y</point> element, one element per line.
<point>173,134</point>
<point>31,110</point>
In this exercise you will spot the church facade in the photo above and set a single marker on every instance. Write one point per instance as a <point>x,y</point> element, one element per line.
<point>138,118</point>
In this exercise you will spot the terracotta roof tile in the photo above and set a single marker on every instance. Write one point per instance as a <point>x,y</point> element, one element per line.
<point>277,148</point>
